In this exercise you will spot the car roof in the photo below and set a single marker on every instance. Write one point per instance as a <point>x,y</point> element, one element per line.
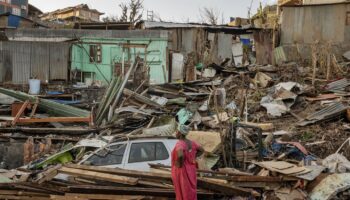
<point>143,138</point>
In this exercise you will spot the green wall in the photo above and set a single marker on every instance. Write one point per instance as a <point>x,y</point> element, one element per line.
<point>112,51</point>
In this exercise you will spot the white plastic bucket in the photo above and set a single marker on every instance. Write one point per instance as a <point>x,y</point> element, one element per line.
<point>34,86</point>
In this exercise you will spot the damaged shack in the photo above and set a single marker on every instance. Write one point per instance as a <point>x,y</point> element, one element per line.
<point>193,44</point>
<point>325,24</point>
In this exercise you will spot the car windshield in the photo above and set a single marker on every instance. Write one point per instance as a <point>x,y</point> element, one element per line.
<point>111,155</point>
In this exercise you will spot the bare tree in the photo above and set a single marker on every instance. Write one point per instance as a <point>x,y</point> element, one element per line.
<point>136,10</point>
<point>209,15</point>
<point>132,11</point>
<point>124,16</point>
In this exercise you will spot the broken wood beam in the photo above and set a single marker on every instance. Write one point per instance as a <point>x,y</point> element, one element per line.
<point>263,126</point>
<point>224,188</point>
<point>110,190</point>
<point>132,173</point>
<point>38,138</point>
<point>47,131</point>
<point>98,176</point>
<point>255,179</point>
<point>141,98</point>
<point>47,175</point>
<point>21,193</point>
<point>20,112</point>
<point>101,196</point>
<point>159,166</point>
<point>54,119</point>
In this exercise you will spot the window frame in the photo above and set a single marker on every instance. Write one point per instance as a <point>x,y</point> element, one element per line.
<point>155,151</point>
<point>347,18</point>
<point>95,53</point>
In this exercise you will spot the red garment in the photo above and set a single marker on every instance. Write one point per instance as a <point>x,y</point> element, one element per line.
<point>185,178</point>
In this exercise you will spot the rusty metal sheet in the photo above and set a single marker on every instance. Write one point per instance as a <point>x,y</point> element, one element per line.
<point>59,60</point>
<point>333,110</point>
<point>40,61</point>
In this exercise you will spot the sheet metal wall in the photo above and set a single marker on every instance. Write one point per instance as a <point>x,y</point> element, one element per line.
<point>59,35</point>
<point>44,60</point>
<point>307,24</point>
<point>263,46</point>
<point>187,40</point>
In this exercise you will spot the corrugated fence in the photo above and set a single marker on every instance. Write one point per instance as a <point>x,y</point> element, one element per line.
<point>46,61</point>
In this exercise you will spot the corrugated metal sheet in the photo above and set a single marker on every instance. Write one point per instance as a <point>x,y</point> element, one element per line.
<point>338,86</point>
<point>307,24</point>
<point>318,2</point>
<point>54,35</point>
<point>224,46</point>
<point>328,112</point>
<point>16,61</point>
<point>280,55</point>
<point>59,57</point>
<point>45,60</point>
<point>40,61</point>
<point>263,46</point>
<point>172,25</point>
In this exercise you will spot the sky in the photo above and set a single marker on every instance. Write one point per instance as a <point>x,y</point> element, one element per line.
<point>167,10</point>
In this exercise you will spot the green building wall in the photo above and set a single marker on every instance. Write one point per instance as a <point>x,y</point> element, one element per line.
<point>112,53</point>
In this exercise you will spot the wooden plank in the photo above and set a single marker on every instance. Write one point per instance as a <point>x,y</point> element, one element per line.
<point>280,165</point>
<point>109,190</point>
<point>54,119</point>
<point>35,107</point>
<point>99,176</point>
<point>22,193</point>
<point>263,126</point>
<point>23,197</point>
<point>284,167</point>
<point>57,197</point>
<point>24,106</point>
<point>132,173</point>
<point>47,175</point>
<point>155,184</point>
<point>322,97</point>
<point>102,196</point>
<point>33,187</point>
<point>46,131</point>
<point>141,98</point>
<point>166,170</point>
<point>224,188</point>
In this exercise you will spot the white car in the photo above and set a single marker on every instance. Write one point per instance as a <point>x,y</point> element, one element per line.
<point>133,154</point>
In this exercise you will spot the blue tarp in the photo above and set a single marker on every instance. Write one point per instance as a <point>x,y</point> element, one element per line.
<point>245,41</point>
<point>14,21</point>
<point>54,93</point>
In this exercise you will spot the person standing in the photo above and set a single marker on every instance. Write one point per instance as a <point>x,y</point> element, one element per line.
<point>184,165</point>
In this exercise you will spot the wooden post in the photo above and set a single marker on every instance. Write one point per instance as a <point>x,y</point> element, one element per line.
<point>328,66</point>
<point>35,107</point>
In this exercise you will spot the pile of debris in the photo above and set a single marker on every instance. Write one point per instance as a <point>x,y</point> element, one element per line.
<point>281,131</point>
